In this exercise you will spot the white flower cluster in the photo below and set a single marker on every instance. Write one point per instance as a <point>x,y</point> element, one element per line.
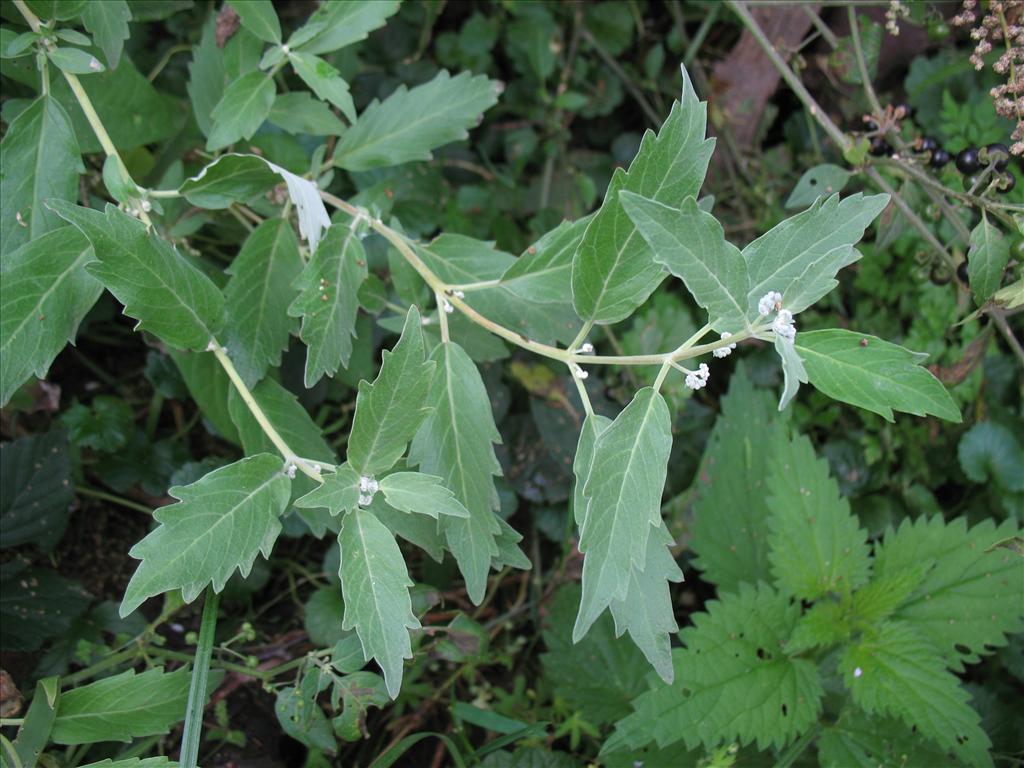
<point>783,322</point>
<point>770,302</point>
<point>578,372</point>
<point>698,379</point>
<point>368,487</point>
<point>726,350</point>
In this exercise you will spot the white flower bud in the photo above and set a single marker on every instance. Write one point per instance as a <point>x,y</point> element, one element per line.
<point>578,372</point>
<point>290,471</point>
<point>726,350</point>
<point>769,303</point>
<point>448,308</point>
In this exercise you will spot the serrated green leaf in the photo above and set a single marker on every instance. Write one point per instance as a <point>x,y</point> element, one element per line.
<point>691,244</point>
<point>593,426</point>
<point>35,605</point>
<point>228,179</point>
<point>820,181</point>
<point>260,18</point>
<point>990,451</point>
<point>456,443</point>
<point>35,490</point>
<point>793,371</point>
<point>986,260</point>
<point>894,671</point>
<point>623,496</point>
<point>880,598</point>
<point>286,415</point>
<point>298,113</point>
<point>817,546</point>
<point>408,124</point>
<point>241,110</point>
<point>391,409</point>
<point>732,506</point>
<point>335,25</point>
<point>45,292</point>
<point>167,295</point>
<point>420,530</point>
<point>329,301</point>
<point>969,599</point>
<point>106,425</point>
<point>613,270</point>
<point>873,374</point>
<point>39,161</point>
<point>325,81</point>
<point>257,297</point>
<point>75,61</point>
<point>338,493</point>
<point>375,585</point>
<point>800,257</point>
<point>858,740</point>
<point>98,711</point>
<point>733,681</point>
<point>210,387</point>
<point>206,76</point>
<point>823,625</point>
<point>107,22</point>
<point>544,272</point>
<point>220,523</point>
<point>416,492</point>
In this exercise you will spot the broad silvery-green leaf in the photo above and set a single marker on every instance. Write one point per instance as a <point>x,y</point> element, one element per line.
<point>328,301</point>
<point>408,124</point>
<point>419,530</point>
<point>45,292</point>
<point>800,257</point>
<point>391,410</point>
<point>986,260</point>
<point>873,374</point>
<point>241,110</point>
<point>221,522</point>
<point>613,270</point>
<point>623,496</point>
<point>260,18</point>
<point>793,372</point>
<point>257,325</point>
<point>324,80</point>
<point>544,272</point>
<point>286,415</point>
<point>167,295</point>
<point>375,585</point>
<point>339,492</point>
<point>817,546</point>
<point>692,246</point>
<point>456,443</point>
<point>229,179</point>
<point>107,22</point>
<point>335,25</point>
<point>39,161</point>
<point>420,493</point>
<point>96,712</point>
<point>593,426</point>
<point>75,61</point>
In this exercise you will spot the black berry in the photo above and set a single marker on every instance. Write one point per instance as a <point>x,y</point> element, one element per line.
<point>971,181</point>
<point>880,147</point>
<point>939,158</point>
<point>961,273</point>
<point>928,144</point>
<point>967,161</point>
<point>997,155</point>
<point>1006,182</point>
<point>870,125</point>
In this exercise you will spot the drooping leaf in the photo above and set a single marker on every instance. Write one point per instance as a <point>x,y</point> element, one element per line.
<point>793,371</point>
<point>623,496</point>
<point>335,25</point>
<point>375,585</point>
<point>391,409</point>
<point>420,530</point>
<point>222,522</point>
<point>986,260</point>
<point>241,110</point>
<point>167,295</point>
<point>733,680</point>
<point>613,270</point>
<point>45,292</point>
<point>260,18</point>
<point>873,374</point>
<point>800,257</point>
<point>338,493</point>
<point>456,443</point>
<point>892,670</point>
<point>820,181</point>
<point>257,297</point>
<point>691,244</point>
<point>417,492</point>
<point>96,712</point>
<point>35,490</point>
<point>989,451</point>
<point>328,301</point>
<point>40,161</point>
<point>408,124</point>
<point>108,24</point>
<point>324,80</point>
<point>817,546</point>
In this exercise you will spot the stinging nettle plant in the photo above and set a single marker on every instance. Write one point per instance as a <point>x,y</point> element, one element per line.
<point>420,461</point>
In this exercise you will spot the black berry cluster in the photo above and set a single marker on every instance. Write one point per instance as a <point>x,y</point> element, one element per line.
<point>972,161</point>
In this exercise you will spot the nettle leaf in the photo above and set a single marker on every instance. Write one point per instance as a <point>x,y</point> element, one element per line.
<point>339,492</point>
<point>732,508</point>
<point>873,374</point>
<point>167,295</point>
<point>40,161</point>
<point>425,494</point>
<point>35,490</point>
<point>623,496</point>
<point>456,443</point>
<point>335,25</point>
<point>408,124</point>
<point>375,585</point>
<point>241,110</point>
<point>45,292</point>
<point>613,270</point>
<point>691,244</point>
<point>391,409</point>
<point>819,181</point>
<point>325,81</point>
<point>858,740</point>
<point>892,670</point>
<point>96,712</point>
<point>222,522</point>
<point>107,22</point>
<point>259,17</point>
<point>990,451</point>
<point>817,546</point>
<point>986,259</point>
<point>733,681</point>
<point>969,599</point>
<point>329,301</point>
<point>800,257</point>
<point>256,299</point>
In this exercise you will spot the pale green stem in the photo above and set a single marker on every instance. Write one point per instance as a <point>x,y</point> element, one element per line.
<point>682,348</point>
<point>442,315</point>
<point>584,397</point>
<point>862,65</point>
<point>477,286</point>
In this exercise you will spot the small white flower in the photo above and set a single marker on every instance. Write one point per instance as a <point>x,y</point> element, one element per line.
<point>448,308</point>
<point>586,349</point>
<point>578,372</point>
<point>858,672</point>
<point>727,350</point>
<point>365,499</point>
<point>783,325</point>
<point>285,49</point>
<point>147,206</point>
<point>368,485</point>
<point>290,471</point>
<point>698,379</point>
<point>459,294</point>
<point>770,302</point>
